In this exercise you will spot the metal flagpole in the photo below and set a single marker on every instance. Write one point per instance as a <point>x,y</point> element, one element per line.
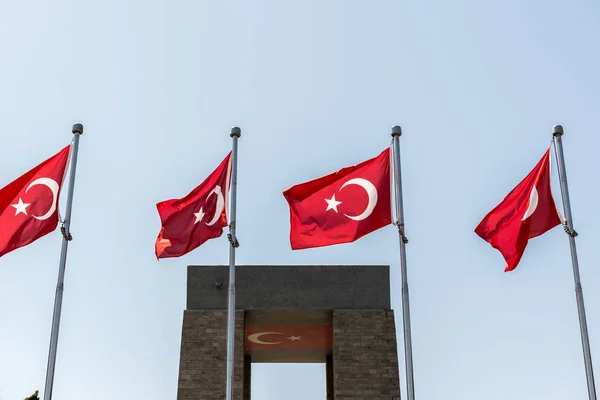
<point>66,232</point>
<point>557,132</point>
<point>235,134</point>
<point>408,359</point>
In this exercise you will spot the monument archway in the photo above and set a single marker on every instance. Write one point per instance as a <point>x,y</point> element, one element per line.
<point>337,315</point>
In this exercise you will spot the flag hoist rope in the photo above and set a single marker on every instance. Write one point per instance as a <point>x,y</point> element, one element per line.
<point>408,358</point>
<point>235,134</point>
<point>66,233</point>
<point>557,132</point>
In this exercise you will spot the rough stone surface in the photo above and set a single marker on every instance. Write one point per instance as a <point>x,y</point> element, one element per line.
<point>365,358</point>
<point>308,287</point>
<point>203,360</point>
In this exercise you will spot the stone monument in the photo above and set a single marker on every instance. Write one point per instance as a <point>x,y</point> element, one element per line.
<point>337,315</point>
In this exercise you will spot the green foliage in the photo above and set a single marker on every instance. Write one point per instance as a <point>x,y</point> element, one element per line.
<point>33,396</point>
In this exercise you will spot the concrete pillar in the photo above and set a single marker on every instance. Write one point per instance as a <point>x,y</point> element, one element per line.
<point>202,364</point>
<point>365,357</point>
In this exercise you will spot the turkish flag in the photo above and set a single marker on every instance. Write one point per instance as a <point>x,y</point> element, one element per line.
<point>288,337</point>
<point>341,207</point>
<point>29,204</point>
<point>192,220</point>
<point>526,212</point>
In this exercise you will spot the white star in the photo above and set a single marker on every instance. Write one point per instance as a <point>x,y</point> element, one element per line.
<point>332,204</point>
<point>294,338</point>
<point>199,215</point>
<point>21,207</point>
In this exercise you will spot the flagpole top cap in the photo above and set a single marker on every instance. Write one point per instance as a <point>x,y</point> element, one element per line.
<point>236,132</point>
<point>78,128</point>
<point>557,130</point>
<point>396,131</point>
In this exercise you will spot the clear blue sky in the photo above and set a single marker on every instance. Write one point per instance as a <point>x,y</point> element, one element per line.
<point>315,86</point>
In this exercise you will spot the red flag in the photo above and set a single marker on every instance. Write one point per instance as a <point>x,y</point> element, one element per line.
<point>192,220</point>
<point>528,211</point>
<point>29,204</point>
<point>288,337</point>
<point>341,207</point>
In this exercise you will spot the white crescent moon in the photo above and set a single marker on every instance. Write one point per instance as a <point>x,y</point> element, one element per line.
<point>255,337</point>
<point>53,186</point>
<point>533,203</point>
<point>220,204</point>
<point>371,191</point>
